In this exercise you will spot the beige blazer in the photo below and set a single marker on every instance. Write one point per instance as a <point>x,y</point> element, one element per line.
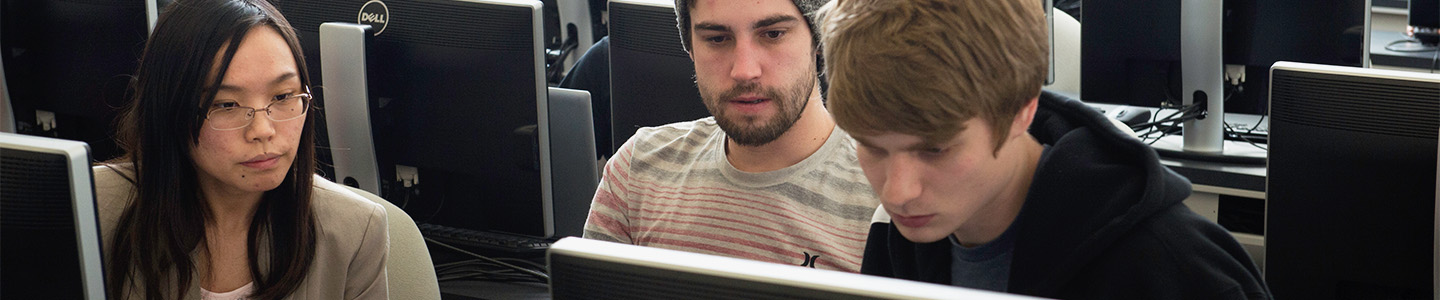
<point>350,250</point>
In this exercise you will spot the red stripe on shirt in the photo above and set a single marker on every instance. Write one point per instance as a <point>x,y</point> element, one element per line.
<point>708,235</point>
<point>792,214</point>
<point>608,199</point>
<point>724,212</point>
<point>678,244</point>
<point>610,225</point>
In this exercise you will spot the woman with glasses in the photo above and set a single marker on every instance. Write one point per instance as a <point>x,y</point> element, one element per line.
<point>216,196</point>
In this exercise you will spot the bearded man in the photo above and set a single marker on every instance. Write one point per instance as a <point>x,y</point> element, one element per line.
<point>769,177</point>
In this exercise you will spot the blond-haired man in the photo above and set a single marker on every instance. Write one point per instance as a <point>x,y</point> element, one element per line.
<point>769,177</point>
<point>988,182</point>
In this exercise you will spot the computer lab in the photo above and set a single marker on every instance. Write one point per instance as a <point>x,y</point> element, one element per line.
<point>719,149</point>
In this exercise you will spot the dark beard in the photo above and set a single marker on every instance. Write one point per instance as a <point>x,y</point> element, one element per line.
<point>785,116</point>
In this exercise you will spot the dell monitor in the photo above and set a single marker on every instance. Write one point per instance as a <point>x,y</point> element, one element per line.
<point>1134,52</point>
<point>67,64</point>
<point>1351,203</point>
<point>652,79</point>
<point>591,269</point>
<point>1424,21</point>
<point>441,108</point>
<point>49,235</point>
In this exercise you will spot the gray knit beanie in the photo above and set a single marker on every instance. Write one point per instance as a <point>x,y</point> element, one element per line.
<point>807,8</point>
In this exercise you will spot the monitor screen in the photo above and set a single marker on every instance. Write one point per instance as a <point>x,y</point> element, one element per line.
<point>49,235</point>
<point>1131,49</point>
<point>68,63</point>
<point>591,269</point>
<point>454,106</point>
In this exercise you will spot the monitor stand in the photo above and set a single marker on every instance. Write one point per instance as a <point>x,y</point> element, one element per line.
<point>1202,69</point>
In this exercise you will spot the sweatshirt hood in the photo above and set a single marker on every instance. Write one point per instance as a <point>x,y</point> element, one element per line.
<point>1092,187</point>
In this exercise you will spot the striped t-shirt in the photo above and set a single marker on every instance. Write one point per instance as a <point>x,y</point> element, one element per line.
<point>671,187</point>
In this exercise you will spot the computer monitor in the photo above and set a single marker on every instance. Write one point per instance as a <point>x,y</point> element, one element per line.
<point>1424,20</point>
<point>652,79</point>
<point>1351,203</point>
<point>591,269</point>
<point>1131,50</point>
<point>441,108</point>
<point>49,235</point>
<point>68,64</point>
<point>152,11</point>
<point>1049,6</point>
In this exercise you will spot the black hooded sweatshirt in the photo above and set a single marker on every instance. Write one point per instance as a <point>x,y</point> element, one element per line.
<point>1103,219</point>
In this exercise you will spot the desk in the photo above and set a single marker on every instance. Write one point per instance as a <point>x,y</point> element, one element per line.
<point>490,290</point>
<point>1210,180</point>
<point>1381,58</point>
<point>471,290</point>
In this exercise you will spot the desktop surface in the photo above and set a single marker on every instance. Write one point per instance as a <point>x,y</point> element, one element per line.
<point>1245,177</point>
<point>1380,56</point>
<point>494,290</point>
<point>469,289</point>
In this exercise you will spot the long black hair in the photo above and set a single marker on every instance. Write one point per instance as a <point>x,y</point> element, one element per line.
<point>170,94</point>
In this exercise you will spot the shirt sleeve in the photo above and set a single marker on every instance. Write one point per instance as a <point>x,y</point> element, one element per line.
<point>610,210</point>
<point>367,278</point>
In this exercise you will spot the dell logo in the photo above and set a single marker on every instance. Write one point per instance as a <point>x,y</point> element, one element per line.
<point>371,18</point>
<point>375,14</point>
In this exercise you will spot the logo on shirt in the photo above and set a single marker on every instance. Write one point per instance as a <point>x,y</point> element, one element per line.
<point>810,260</point>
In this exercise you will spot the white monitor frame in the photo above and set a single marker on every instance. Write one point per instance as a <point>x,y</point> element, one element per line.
<point>761,273</point>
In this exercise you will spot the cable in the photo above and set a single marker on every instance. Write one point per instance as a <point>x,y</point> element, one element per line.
<point>537,275</point>
<point>1190,112</point>
<point>1186,113</point>
<point>1423,48</point>
<point>566,49</point>
<point>1434,59</point>
<point>1257,124</point>
<point>1156,129</point>
<point>438,207</point>
<point>1229,130</point>
<point>1168,119</point>
<point>446,267</point>
<point>480,270</point>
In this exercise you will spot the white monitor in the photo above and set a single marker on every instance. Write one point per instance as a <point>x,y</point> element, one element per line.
<point>49,236</point>
<point>590,269</point>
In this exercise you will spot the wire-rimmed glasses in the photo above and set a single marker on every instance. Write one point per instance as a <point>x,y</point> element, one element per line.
<point>283,108</point>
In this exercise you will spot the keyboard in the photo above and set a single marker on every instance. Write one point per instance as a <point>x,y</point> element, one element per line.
<point>484,240</point>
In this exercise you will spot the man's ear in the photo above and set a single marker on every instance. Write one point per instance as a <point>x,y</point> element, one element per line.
<point>1021,124</point>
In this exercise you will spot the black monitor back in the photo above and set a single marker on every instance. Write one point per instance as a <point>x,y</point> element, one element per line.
<point>1424,18</point>
<point>1131,48</point>
<point>453,93</point>
<point>49,235</point>
<point>1424,13</point>
<point>652,79</point>
<point>1351,183</point>
<point>73,58</point>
